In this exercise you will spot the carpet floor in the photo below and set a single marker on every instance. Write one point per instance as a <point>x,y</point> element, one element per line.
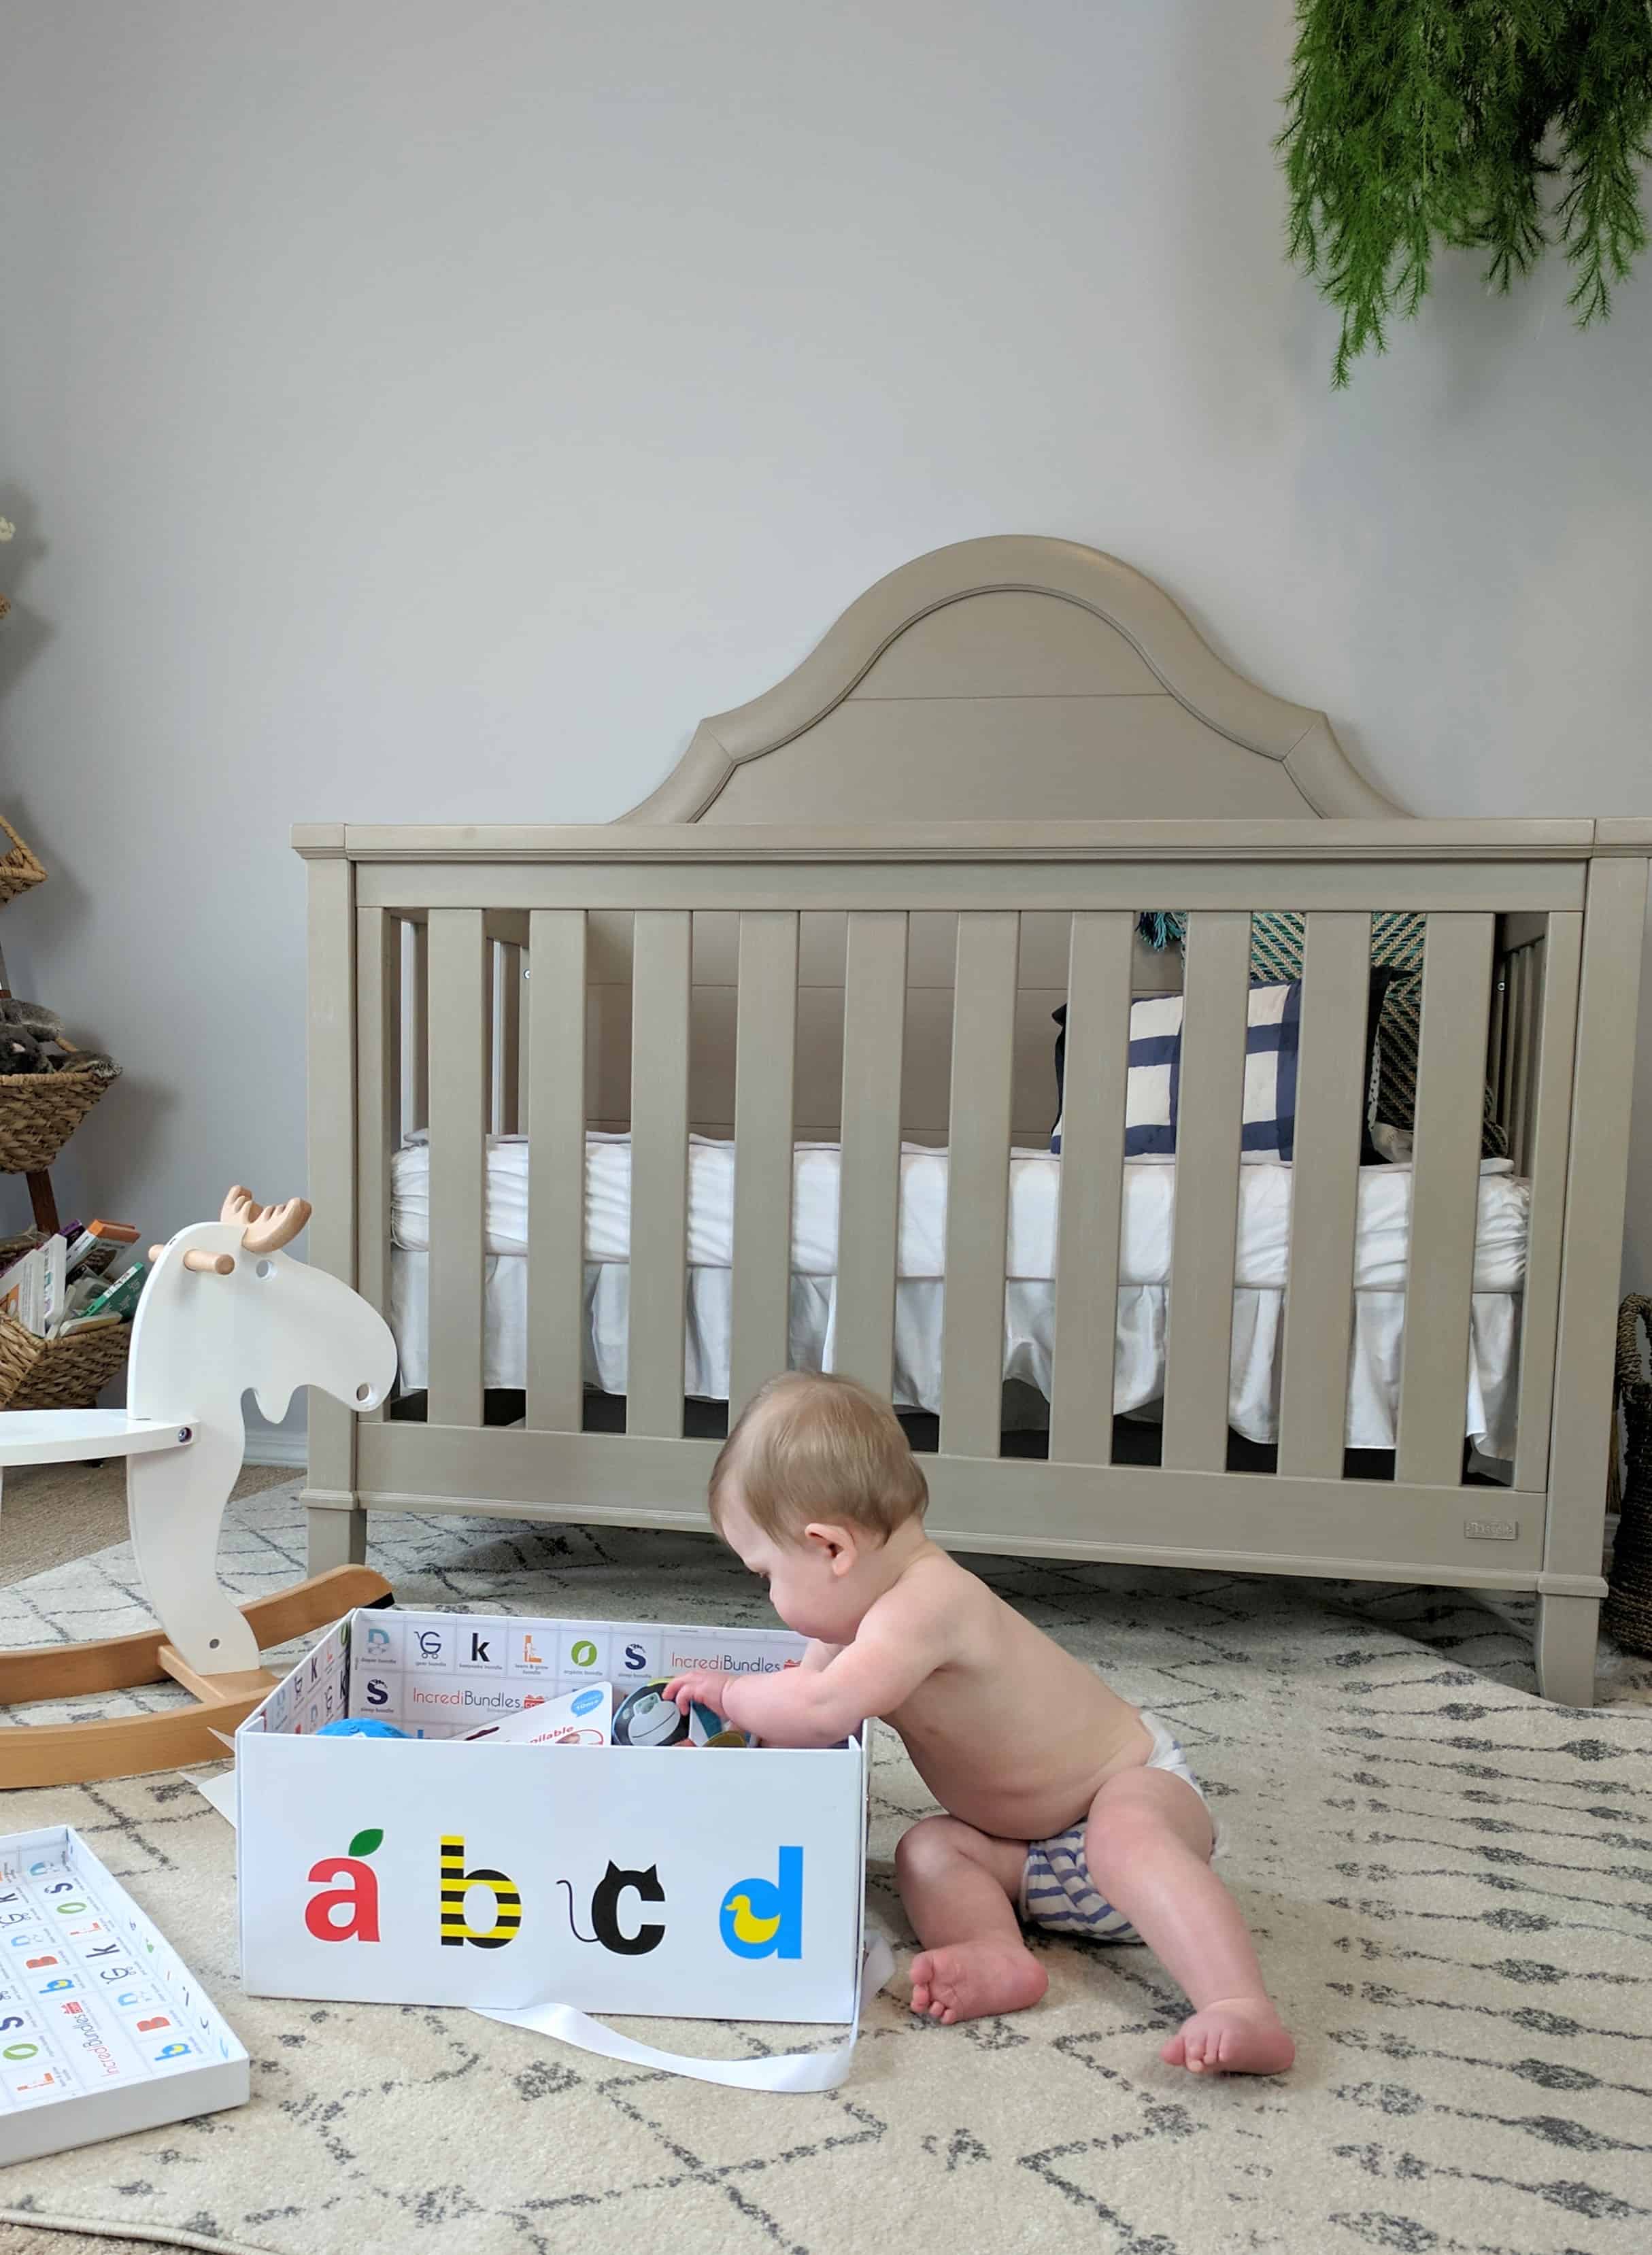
<point>53,1514</point>
<point>1451,1883</point>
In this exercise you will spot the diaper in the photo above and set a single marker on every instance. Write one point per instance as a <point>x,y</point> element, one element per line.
<point>1057,1892</point>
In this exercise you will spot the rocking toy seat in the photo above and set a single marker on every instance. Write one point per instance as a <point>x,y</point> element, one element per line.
<point>65,1437</point>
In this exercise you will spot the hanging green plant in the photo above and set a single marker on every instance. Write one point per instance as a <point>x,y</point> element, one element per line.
<point>1412,121</point>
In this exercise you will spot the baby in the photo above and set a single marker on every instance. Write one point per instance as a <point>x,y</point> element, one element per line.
<point>1067,1807</point>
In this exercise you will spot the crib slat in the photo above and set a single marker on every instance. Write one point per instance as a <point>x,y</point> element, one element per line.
<point>1540,1303</point>
<point>523,1124</point>
<point>1496,1044</point>
<point>457,1019</point>
<point>1525,1061</point>
<point>1332,1071</point>
<point>508,974</point>
<point>978,1183</point>
<point>1209,1119</point>
<point>418,1029</point>
<point>1457,962</point>
<point>379,1081</point>
<point>1529,1035</point>
<point>1514,977</point>
<point>556,1169</point>
<point>660,1171</point>
<point>869,1169</point>
<point>764,1060</point>
<point>1094,1080</point>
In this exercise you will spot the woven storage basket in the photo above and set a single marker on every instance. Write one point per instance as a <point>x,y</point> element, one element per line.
<point>40,1111</point>
<point>1628,1609</point>
<point>69,1373</point>
<point>18,869</point>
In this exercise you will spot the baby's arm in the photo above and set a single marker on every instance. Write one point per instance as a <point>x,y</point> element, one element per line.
<point>900,1642</point>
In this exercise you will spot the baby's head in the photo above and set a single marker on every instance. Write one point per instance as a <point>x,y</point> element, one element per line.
<point>818,1492</point>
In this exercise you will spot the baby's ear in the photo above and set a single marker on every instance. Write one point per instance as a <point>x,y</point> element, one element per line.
<point>840,1545</point>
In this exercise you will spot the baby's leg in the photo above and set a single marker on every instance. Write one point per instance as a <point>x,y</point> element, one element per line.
<point>959,1888</point>
<point>1148,1845</point>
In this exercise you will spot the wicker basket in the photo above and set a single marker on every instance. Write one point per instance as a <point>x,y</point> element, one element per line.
<point>40,1111</point>
<point>18,869</point>
<point>70,1374</point>
<point>1629,1608</point>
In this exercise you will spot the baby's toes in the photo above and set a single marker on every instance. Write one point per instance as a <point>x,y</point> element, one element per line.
<point>943,2001</point>
<point>1174,2054</point>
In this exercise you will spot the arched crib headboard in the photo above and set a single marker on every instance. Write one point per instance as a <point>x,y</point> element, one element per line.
<point>1010,678</point>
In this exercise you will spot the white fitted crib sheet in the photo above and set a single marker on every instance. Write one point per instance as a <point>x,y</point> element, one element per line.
<point>1147,1215</point>
<point>1139,1361</point>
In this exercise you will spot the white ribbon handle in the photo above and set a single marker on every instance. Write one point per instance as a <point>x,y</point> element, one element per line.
<point>797,2070</point>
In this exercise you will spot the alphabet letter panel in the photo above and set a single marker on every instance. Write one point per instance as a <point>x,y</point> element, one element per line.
<point>699,1882</point>
<point>103,2029</point>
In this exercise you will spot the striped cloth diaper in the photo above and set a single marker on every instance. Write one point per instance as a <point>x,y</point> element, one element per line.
<point>1057,1892</point>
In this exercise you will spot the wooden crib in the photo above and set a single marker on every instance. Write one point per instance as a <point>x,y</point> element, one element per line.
<point>846,920</point>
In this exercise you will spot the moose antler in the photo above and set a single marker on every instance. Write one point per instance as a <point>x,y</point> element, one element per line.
<point>265,1229</point>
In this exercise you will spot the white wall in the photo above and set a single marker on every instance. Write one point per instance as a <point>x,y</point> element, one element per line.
<point>413,412</point>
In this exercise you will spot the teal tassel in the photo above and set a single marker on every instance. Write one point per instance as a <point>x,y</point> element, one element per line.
<point>1157,927</point>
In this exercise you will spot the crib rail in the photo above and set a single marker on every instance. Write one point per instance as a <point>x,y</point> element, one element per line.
<point>471,1010</point>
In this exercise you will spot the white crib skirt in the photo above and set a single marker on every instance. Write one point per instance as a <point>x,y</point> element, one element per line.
<point>1138,1363</point>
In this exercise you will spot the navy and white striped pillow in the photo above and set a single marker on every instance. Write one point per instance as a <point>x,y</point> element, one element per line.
<point>1152,1103</point>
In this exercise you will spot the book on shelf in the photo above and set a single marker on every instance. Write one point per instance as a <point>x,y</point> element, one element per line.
<point>93,1250</point>
<point>60,1285</point>
<point>32,1289</point>
<point>119,1299</point>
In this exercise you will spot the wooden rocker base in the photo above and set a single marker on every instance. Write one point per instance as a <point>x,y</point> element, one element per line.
<point>76,1754</point>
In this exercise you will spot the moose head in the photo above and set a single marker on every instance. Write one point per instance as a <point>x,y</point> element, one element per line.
<point>228,1311</point>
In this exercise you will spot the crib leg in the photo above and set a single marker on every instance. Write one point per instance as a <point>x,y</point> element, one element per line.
<point>337,1538</point>
<point>1567,1628</point>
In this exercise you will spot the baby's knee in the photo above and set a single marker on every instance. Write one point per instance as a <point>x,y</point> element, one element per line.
<point>1127,1830</point>
<point>932,1847</point>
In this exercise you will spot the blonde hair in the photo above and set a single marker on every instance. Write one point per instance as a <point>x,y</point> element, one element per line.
<point>810,1446</point>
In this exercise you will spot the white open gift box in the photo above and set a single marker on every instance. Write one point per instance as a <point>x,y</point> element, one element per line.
<point>716,1883</point>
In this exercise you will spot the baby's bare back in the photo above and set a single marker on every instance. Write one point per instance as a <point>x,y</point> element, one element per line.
<point>1008,1732</point>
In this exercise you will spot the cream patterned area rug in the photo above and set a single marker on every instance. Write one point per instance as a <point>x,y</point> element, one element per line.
<point>1451,1882</point>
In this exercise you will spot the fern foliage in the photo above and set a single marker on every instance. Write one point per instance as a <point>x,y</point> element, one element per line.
<point>1499,125</point>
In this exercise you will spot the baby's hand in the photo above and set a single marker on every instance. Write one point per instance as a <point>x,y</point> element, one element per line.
<point>703,1689</point>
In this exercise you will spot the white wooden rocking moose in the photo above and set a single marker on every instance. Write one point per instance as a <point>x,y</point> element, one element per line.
<point>225,1312</point>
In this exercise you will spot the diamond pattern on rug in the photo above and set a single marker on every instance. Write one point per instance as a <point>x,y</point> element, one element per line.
<point>1450,1880</point>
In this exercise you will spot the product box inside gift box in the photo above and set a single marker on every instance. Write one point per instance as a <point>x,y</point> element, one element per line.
<point>103,2029</point>
<point>703,1882</point>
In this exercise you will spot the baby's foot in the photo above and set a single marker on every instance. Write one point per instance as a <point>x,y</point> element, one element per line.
<point>969,1980</point>
<point>1235,2035</point>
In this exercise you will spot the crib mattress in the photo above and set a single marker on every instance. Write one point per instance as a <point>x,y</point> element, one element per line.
<point>1035,1184</point>
<point>1148,1216</point>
